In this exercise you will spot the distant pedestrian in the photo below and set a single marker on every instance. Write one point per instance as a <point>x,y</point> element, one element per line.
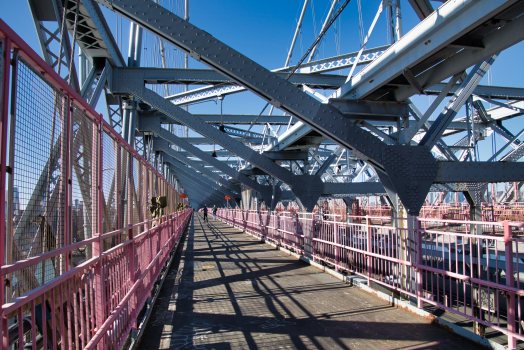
<point>205,212</point>
<point>214,212</point>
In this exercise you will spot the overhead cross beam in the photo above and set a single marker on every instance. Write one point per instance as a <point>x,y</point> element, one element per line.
<point>429,51</point>
<point>323,118</point>
<point>411,170</point>
<point>163,146</point>
<point>151,125</point>
<point>222,58</point>
<point>192,174</point>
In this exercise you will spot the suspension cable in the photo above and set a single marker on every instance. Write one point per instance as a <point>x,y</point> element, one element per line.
<point>306,54</point>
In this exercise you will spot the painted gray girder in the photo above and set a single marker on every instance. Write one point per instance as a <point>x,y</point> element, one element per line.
<point>282,94</point>
<point>422,8</point>
<point>105,44</point>
<point>122,82</point>
<point>204,164</point>
<point>244,119</point>
<point>270,154</point>
<point>228,119</point>
<point>52,11</point>
<point>352,109</point>
<point>211,77</point>
<point>493,92</point>
<point>450,172</point>
<point>192,174</point>
<point>205,188</point>
<point>415,166</point>
<point>163,146</point>
<point>200,194</point>
<point>190,184</point>
<point>329,188</point>
<point>206,141</point>
<point>152,126</point>
<point>416,49</point>
<point>456,102</point>
<point>319,66</point>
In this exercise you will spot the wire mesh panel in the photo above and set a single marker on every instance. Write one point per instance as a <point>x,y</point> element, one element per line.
<point>109,188</point>
<point>38,148</point>
<point>73,278</point>
<point>136,196</point>
<point>84,179</point>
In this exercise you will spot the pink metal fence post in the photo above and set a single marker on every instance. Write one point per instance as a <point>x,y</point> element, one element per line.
<point>369,250</point>
<point>100,290</point>
<point>335,240</point>
<point>68,181</point>
<point>512,341</point>
<point>130,236</point>
<point>6,69</point>
<point>418,238</point>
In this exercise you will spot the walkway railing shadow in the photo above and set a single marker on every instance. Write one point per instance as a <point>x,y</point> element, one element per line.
<point>477,277</point>
<point>237,293</point>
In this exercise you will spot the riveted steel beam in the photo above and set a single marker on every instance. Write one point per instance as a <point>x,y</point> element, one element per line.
<point>197,176</point>
<point>163,146</point>
<point>318,66</point>
<point>202,196</point>
<point>428,51</point>
<point>209,76</point>
<point>206,141</point>
<point>150,125</point>
<point>493,92</point>
<point>102,35</point>
<point>222,58</point>
<point>480,172</point>
<point>412,169</point>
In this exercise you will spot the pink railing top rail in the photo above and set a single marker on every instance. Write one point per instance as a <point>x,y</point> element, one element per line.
<point>21,264</point>
<point>15,303</point>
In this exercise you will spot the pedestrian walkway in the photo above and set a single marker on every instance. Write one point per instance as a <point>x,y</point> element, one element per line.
<point>230,291</point>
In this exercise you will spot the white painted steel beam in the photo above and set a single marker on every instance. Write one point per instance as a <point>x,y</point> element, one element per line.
<point>440,29</point>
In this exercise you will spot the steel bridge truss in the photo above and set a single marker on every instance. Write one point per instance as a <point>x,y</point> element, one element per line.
<point>368,129</point>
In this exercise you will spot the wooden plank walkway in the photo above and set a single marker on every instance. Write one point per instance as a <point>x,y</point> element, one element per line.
<point>230,291</point>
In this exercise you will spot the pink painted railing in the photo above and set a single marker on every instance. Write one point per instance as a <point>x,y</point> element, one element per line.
<point>479,277</point>
<point>489,212</point>
<point>83,249</point>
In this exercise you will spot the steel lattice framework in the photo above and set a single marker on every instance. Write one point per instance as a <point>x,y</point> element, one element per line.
<point>335,128</point>
<point>367,130</point>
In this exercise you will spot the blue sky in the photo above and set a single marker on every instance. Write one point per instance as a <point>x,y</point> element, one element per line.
<point>263,30</point>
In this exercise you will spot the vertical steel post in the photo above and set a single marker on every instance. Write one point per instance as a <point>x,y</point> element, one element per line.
<point>335,240</point>
<point>132,248</point>
<point>145,186</point>
<point>418,241</point>
<point>68,127</point>
<point>98,247</point>
<point>118,192</point>
<point>10,175</point>
<point>398,24</point>
<point>6,70</point>
<point>369,250</point>
<point>508,245</point>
